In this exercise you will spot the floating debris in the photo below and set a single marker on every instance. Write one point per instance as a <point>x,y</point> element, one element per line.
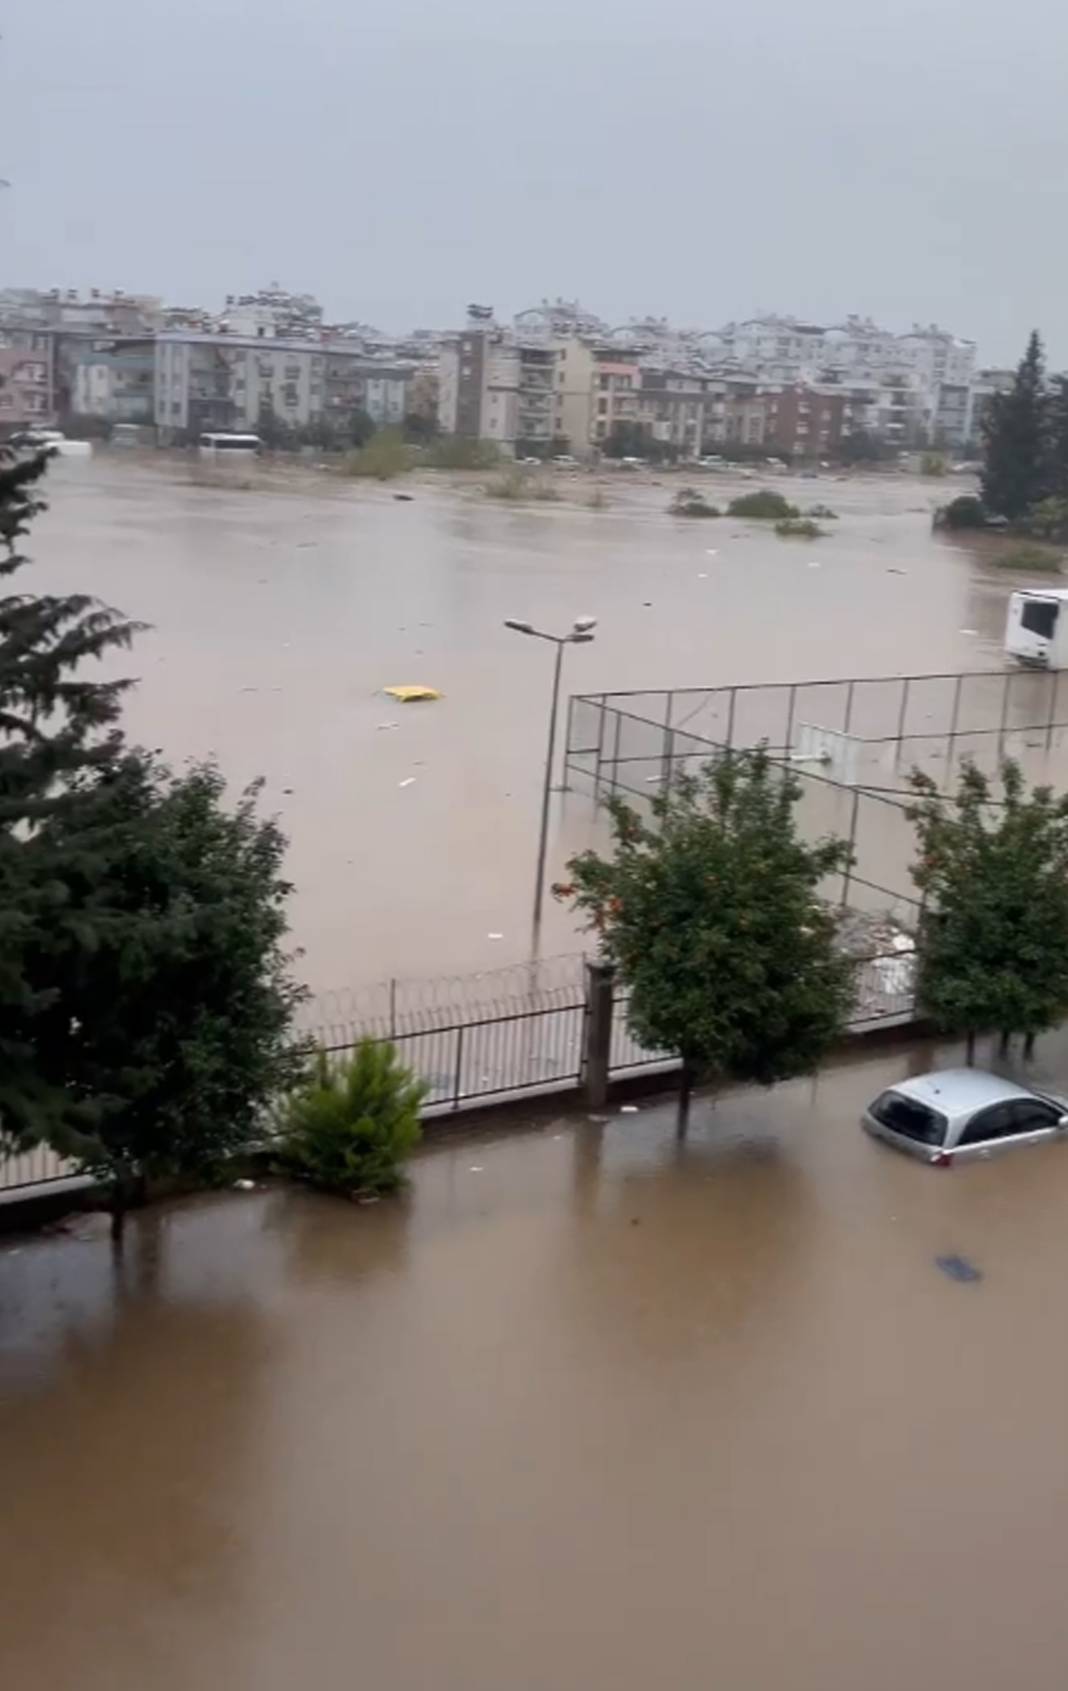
<point>407,782</point>
<point>958,1268</point>
<point>410,694</point>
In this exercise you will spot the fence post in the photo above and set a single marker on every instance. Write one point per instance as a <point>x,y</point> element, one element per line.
<point>669,746</point>
<point>852,845</point>
<point>458,1077</point>
<point>1053,674</point>
<point>600,999</point>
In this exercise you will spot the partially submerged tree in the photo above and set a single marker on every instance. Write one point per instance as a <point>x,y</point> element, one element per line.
<point>993,870</point>
<point>1015,440</point>
<point>169,1034</point>
<point>351,1124</point>
<point>55,729</point>
<point>713,917</point>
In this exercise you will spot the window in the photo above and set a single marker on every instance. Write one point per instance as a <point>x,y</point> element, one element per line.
<point>910,1118</point>
<point>602,407</point>
<point>604,381</point>
<point>1031,1115</point>
<point>996,1122</point>
<point>1039,616</point>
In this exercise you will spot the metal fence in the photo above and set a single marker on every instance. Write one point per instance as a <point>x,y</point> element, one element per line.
<point>532,1043</point>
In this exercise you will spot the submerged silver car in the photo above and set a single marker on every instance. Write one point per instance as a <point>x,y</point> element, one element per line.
<point>956,1114</point>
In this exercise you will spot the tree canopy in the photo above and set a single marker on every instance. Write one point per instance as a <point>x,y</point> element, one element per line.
<point>993,869</point>
<point>713,917</point>
<point>1016,464</point>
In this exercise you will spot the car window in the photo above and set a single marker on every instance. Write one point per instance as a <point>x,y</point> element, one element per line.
<point>1031,1114</point>
<point>999,1121</point>
<point>910,1118</point>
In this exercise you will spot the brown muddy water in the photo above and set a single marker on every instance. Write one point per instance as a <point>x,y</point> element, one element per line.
<point>282,603</point>
<point>587,1408</point>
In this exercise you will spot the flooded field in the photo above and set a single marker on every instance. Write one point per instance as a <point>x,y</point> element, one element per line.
<point>280,609</point>
<point>587,1408</point>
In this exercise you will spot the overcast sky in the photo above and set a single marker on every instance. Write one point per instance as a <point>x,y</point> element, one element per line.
<point>906,160</point>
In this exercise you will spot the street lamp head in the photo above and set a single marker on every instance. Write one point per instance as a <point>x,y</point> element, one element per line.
<point>584,625</point>
<point>520,627</point>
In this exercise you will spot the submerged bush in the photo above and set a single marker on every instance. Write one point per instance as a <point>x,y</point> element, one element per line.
<point>351,1126</point>
<point>387,454</point>
<point>823,511</point>
<point>803,527</point>
<point>765,504</point>
<point>1028,558</point>
<point>456,452</point>
<point>966,511</point>
<point>688,502</point>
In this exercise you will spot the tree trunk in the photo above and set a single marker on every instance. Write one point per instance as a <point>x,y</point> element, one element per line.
<point>1029,1045</point>
<point>1003,1046</point>
<point>970,1049</point>
<point>686,1080</point>
<point>128,1191</point>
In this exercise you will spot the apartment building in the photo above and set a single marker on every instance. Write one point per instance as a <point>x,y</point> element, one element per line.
<point>219,382</point>
<point>26,384</point>
<point>116,379</point>
<point>804,422</point>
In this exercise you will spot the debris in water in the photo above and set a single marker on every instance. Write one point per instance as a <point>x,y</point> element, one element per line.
<point>288,791</point>
<point>384,725</point>
<point>249,689</point>
<point>476,1168</point>
<point>973,631</point>
<point>494,936</point>
<point>407,782</point>
<point>711,552</point>
<point>403,498</point>
<point>244,1185</point>
<point>628,1109</point>
<point>410,694</point>
<point>702,575</point>
<point>897,572</point>
<point>958,1268</point>
<point>367,1198</point>
<point>813,564</point>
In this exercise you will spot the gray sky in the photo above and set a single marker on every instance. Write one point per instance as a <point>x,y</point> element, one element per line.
<point>906,160</point>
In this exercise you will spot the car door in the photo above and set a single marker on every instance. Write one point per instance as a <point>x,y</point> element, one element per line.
<point>1019,1121</point>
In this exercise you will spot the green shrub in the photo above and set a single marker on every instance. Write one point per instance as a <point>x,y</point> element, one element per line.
<point>1048,520</point>
<point>823,511</point>
<point>351,1125</point>
<point>387,454</point>
<point>966,511</point>
<point>765,504</point>
<point>1027,558</point>
<point>457,452</point>
<point>932,464</point>
<point>688,502</point>
<point>803,527</point>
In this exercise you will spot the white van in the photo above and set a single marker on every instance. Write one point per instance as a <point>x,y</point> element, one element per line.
<point>1036,631</point>
<point>216,445</point>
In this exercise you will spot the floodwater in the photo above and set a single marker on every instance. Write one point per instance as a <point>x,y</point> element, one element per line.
<point>587,1408</point>
<point>282,603</point>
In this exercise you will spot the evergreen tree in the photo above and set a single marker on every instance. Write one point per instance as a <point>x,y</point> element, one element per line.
<point>1058,439</point>
<point>169,1035</point>
<point>1015,440</point>
<point>713,919</point>
<point>994,875</point>
<point>55,729</point>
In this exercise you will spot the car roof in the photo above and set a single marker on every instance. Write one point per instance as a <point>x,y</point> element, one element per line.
<point>959,1092</point>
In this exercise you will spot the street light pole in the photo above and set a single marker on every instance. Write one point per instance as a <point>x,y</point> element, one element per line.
<point>581,634</point>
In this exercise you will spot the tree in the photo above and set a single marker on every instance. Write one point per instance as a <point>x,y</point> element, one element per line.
<point>994,877</point>
<point>713,919</point>
<point>169,1034</point>
<point>1058,438</point>
<point>351,1126</point>
<point>1016,459</point>
<point>56,730</point>
<point>860,447</point>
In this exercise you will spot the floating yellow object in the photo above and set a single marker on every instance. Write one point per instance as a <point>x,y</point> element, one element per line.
<point>409,695</point>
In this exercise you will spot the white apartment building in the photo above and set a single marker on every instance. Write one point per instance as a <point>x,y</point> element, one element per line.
<point>217,381</point>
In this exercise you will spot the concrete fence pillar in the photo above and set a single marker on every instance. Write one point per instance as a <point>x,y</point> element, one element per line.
<point>600,998</point>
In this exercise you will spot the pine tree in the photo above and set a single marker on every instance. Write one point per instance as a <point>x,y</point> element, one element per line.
<point>1015,440</point>
<point>713,919</point>
<point>55,730</point>
<point>1058,439</point>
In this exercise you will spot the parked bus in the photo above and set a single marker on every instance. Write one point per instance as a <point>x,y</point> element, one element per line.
<point>210,444</point>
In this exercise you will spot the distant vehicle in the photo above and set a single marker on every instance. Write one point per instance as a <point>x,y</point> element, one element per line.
<point>776,463</point>
<point>50,440</point>
<point>967,467</point>
<point>566,460</point>
<point>1036,628</point>
<point>632,463</point>
<point>210,444</point>
<point>713,462</point>
<point>957,1115</point>
<point>531,460</point>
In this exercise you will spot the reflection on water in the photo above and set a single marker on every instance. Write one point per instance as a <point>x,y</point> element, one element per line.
<point>279,614</point>
<point>588,1407</point>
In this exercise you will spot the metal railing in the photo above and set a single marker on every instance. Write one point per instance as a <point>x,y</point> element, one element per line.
<point>525,1046</point>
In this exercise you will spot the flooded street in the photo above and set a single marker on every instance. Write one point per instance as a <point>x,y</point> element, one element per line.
<point>587,1408</point>
<point>280,611</point>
